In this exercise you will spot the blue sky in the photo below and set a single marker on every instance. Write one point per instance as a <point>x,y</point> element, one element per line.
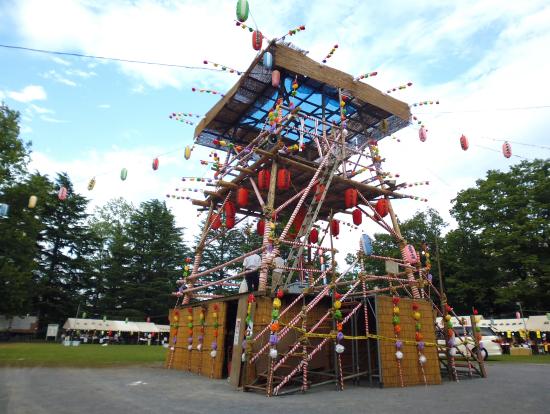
<point>92,118</point>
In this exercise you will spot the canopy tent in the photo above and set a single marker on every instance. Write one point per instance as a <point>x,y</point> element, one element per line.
<point>109,325</point>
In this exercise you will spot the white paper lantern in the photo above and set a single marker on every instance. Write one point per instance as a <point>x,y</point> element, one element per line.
<point>243,357</point>
<point>422,359</point>
<point>399,355</point>
<point>189,347</point>
<point>213,353</point>
<point>172,348</point>
<point>452,352</point>
<point>199,347</point>
<point>273,353</point>
<point>339,349</point>
<point>344,133</point>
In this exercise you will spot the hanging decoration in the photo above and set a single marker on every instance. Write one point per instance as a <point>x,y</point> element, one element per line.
<point>292,32</point>
<point>464,142</point>
<point>397,332</point>
<point>202,324</point>
<point>123,174</point>
<point>424,103</point>
<point>91,184</point>
<point>62,194</point>
<point>177,115</point>
<point>242,197</point>
<point>215,324</point>
<point>422,133</point>
<point>32,201</point>
<point>215,221</point>
<point>506,149</point>
<point>264,177</point>
<point>409,254</point>
<point>350,197</point>
<point>275,78</point>
<point>222,67</point>
<point>155,164</point>
<point>275,325</point>
<point>190,329</point>
<point>335,227</point>
<point>357,217</point>
<point>230,211</point>
<point>283,179</point>
<point>365,76</point>
<point>382,207</point>
<point>249,324</point>
<point>268,60</point>
<point>257,40</point>
<point>260,227</point>
<point>401,87</point>
<point>294,86</point>
<point>180,118</point>
<point>337,315</point>
<point>329,55</point>
<point>242,10</point>
<point>366,244</point>
<point>187,152</point>
<point>417,316</point>
<point>313,236</point>
<point>319,190</point>
<point>200,90</point>
<point>4,208</point>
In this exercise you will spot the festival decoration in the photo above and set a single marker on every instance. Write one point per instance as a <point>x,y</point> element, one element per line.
<point>357,217</point>
<point>62,194</point>
<point>313,236</point>
<point>335,227</point>
<point>329,55</point>
<point>222,67</point>
<point>32,201</point>
<point>275,78</point>
<point>123,174</point>
<point>409,254</point>
<point>366,244</point>
<point>464,142</point>
<point>506,149</point>
<point>268,60</point>
<point>257,40</point>
<point>401,87</point>
<point>155,164</point>
<point>215,221</point>
<point>365,76</point>
<point>283,179</point>
<point>422,133</point>
<point>423,103</point>
<point>382,207</point>
<point>396,320</point>
<point>91,184</point>
<point>201,90</point>
<point>350,197</point>
<point>264,177</point>
<point>260,227</point>
<point>190,329</point>
<point>187,153</point>
<point>242,10</point>
<point>242,197</point>
<point>215,324</point>
<point>4,208</point>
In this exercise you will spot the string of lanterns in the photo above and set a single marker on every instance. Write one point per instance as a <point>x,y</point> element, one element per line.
<point>400,87</point>
<point>329,55</point>
<point>223,67</point>
<point>423,103</point>
<point>396,320</point>
<point>365,76</point>
<point>202,90</point>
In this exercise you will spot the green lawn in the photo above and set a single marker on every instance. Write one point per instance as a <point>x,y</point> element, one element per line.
<point>57,355</point>
<point>524,359</point>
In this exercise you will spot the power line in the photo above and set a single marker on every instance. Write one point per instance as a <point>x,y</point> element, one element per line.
<point>80,55</point>
<point>516,108</point>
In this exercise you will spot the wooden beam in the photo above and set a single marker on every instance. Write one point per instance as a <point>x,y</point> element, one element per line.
<point>296,62</point>
<point>202,203</point>
<point>228,184</point>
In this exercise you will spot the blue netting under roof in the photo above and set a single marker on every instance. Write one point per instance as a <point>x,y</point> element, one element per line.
<point>309,99</point>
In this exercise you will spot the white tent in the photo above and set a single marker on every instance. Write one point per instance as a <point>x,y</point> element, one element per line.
<point>79,324</point>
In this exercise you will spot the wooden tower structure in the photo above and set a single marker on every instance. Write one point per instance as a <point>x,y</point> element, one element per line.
<point>301,143</point>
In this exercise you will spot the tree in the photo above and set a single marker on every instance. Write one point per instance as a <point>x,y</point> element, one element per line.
<point>65,245</point>
<point>508,215</point>
<point>14,153</point>
<point>156,253</point>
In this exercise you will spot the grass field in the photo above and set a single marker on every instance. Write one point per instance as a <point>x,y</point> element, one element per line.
<point>57,355</point>
<point>524,359</point>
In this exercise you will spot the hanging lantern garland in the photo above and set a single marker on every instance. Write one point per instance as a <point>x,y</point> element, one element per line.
<point>216,325</point>
<point>275,325</point>
<point>242,10</point>
<point>329,55</point>
<point>424,103</point>
<point>422,133</point>
<point>418,337</point>
<point>397,332</point>
<point>200,90</point>
<point>365,76</point>
<point>337,314</point>
<point>249,327</point>
<point>506,149</point>
<point>294,86</point>
<point>399,88</point>
<point>222,67</point>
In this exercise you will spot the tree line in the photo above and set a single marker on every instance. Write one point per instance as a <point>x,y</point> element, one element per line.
<point>58,260</point>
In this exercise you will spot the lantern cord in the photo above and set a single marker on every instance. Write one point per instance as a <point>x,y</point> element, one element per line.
<point>80,55</point>
<point>517,143</point>
<point>516,108</point>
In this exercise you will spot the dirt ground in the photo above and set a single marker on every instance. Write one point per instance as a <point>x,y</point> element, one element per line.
<point>510,388</point>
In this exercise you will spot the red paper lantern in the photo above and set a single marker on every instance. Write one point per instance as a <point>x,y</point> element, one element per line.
<point>423,134</point>
<point>313,236</point>
<point>155,164</point>
<point>263,179</point>
<point>283,179</point>
<point>382,207</point>
<point>242,197</point>
<point>319,189</point>
<point>350,197</point>
<point>507,149</point>
<point>229,209</point>
<point>275,78</point>
<point>260,227</point>
<point>464,142</point>
<point>335,227</point>
<point>257,39</point>
<point>215,221</point>
<point>357,217</point>
<point>229,222</point>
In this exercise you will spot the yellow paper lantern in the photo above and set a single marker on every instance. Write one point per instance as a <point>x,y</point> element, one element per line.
<point>447,318</point>
<point>190,318</point>
<point>337,304</point>
<point>276,303</point>
<point>396,310</point>
<point>416,316</point>
<point>187,153</point>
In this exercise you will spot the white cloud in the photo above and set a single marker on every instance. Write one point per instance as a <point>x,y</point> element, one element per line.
<point>28,94</point>
<point>80,73</point>
<point>52,120</point>
<point>104,106</point>
<point>40,110</point>
<point>61,61</point>
<point>57,77</point>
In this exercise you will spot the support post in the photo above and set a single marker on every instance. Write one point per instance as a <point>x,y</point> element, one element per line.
<point>268,210</point>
